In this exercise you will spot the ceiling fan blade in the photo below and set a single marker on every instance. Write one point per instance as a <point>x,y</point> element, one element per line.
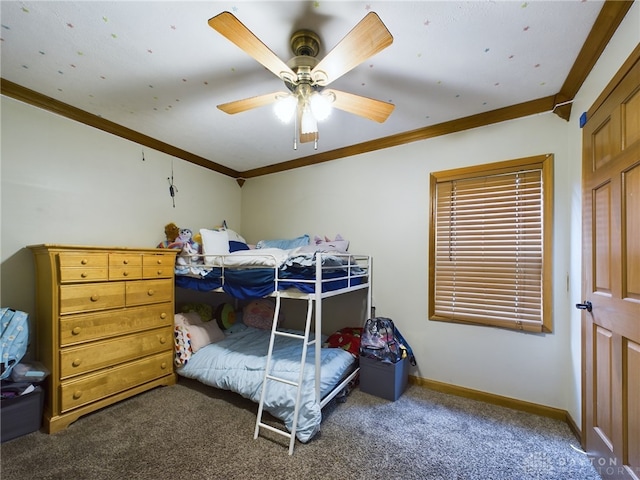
<point>308,137</point>
<point>370,108</point>
<point>311,130</point>
<point>230,27</point>
<point>249,103</point>
<point>367,38</point>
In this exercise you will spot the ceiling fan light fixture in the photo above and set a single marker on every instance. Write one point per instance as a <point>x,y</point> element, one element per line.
<point>321,105</point>
<point>305,77</point>
<point>285,107</point>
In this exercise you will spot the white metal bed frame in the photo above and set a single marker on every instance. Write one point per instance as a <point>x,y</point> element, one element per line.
<point>358,277</point>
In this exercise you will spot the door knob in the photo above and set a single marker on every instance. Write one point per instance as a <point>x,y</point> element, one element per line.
<point>585,306</point>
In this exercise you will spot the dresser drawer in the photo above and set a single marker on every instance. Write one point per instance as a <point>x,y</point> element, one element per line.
<point>76,329</point>
<point>89,388</point>
<point>91,297</point>
<point>97,355</point>
<point>83,267</point>
<point>144,292</point>
<point>158,266</point>
<point>125,266</point>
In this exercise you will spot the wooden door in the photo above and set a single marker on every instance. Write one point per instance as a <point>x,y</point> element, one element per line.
<point>611,277</point>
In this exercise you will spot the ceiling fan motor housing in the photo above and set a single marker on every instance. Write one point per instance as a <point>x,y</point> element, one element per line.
<point>305,42</point>
<point>305,45</point>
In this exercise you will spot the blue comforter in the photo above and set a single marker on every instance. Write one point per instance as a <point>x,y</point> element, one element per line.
<point>237,363</point>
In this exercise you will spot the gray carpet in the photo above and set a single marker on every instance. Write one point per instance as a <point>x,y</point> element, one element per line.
<point>189,431</point>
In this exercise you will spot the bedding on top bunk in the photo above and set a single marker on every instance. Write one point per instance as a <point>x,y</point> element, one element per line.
<point>238,362</point>
<point>248,274</point>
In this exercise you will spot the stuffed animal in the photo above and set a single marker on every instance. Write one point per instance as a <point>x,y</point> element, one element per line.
<point>326,245</point>
<point>184,236</point>
<point>204,310</point>
<point>188,255</point>
<point>171,231</point>
<point>225,315</point>
<point>259,313</point>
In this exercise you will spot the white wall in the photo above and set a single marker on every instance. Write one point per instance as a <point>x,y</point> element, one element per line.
<point>380,202</point>
<point>64,182</point>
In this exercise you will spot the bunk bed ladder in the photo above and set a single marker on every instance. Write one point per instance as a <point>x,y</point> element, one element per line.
<point>268,377</point>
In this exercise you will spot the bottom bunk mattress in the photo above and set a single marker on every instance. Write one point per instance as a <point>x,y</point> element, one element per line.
<point>238,363</point>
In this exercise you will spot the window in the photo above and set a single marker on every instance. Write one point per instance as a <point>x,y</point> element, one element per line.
<point>490,244</point>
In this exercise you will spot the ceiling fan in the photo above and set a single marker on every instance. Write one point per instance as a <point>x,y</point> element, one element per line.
<point>307,100</point>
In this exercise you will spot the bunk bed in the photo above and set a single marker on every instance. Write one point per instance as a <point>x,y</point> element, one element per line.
<point>275,368</point>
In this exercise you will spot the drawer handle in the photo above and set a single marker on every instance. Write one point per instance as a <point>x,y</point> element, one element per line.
<point>76,362</point>
<point>159,272</point>
<point>84,261</point>
<point>95,297</point>
<point>76,330</point>
<point>150,292</point>
<point>159,262</point>
<point>163,365</point>
<point>84,274</point>
<point>163,340</point>
<point>125,261</point>
<point>125,273</point>
<point>163,315</point>
<point>77,394</point>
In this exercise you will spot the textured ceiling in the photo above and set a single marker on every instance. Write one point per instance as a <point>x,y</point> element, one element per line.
<point>159,69</point>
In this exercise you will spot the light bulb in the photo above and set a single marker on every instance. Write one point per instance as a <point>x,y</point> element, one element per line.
<point>320,106</point>
<point>285,107</point>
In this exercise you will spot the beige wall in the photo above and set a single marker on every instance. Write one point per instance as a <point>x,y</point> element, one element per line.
<point>380,201</point>
<point>63,182</point>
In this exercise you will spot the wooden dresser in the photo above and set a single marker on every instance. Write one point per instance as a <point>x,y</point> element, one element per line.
<point>104,326</point>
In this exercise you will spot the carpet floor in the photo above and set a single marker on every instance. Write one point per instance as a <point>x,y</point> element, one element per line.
<point>190,431</point>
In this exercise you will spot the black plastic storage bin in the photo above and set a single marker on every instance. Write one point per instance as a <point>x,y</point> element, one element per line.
<point>385,380</point>
<point>21,415</point>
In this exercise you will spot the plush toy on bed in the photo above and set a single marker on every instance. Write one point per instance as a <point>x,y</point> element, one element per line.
<point>171,232</point>
<point>259,313</point>
<point>204,310</point>
<point>225,316</point>
<point>339,244</point>
<point>185,236</point>
<point>189,249</point>
<point>188,255</point>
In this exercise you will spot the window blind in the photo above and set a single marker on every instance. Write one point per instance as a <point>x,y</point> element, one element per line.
<point>489,250</point>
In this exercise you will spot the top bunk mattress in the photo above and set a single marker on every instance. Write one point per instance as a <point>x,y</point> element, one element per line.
<point>250,274</point>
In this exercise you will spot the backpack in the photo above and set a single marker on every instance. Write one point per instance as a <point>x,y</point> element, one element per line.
<point>14,339</point>
<point>378,340</point>
<point>381,340</point>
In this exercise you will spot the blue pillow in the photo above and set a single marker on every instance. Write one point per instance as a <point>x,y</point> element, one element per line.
<point>285,244</point>
<point>234,246</point>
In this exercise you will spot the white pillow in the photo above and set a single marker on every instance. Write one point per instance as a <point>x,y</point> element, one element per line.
<point>204,334</point>
<point>200,333</point>
<point>235,236</point>
<point>214,242</point>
